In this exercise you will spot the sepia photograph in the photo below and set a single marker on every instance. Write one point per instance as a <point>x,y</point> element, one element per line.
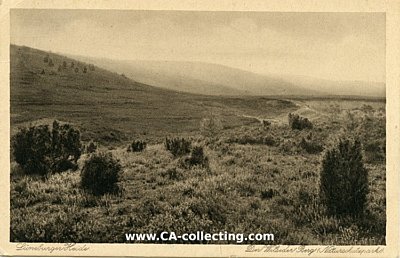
<point>198,128</point>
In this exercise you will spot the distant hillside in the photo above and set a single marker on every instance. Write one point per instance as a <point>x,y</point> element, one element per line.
<point>111,108</point>
<point>214,79</point>
<point>341,88</point>
<point>202,78</point>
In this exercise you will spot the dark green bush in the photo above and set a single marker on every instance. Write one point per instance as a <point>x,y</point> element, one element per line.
<point>137,146</point>
<point>100,174</point>
<point>297,122</point>
<point>344,180</point>
<point>178,146</point>
<point>39,150</point>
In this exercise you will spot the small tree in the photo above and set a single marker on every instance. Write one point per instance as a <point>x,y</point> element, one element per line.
<point>100,174</point>
<point>344,180</point>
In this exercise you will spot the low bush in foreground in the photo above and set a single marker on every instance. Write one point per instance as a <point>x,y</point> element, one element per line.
<point>100,174</point>
<point>344,180</point>
<point>40,150</point>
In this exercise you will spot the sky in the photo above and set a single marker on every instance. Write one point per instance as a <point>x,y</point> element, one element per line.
<point>334,46</point>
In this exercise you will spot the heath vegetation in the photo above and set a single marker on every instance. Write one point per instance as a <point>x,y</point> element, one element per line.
<point>296,167</point>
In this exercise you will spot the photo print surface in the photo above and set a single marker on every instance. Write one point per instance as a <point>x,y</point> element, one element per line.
<point>197,127</point>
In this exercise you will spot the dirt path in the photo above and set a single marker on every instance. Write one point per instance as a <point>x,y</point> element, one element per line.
<point>303,109</point>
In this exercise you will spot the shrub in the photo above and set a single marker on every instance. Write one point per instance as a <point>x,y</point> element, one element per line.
<point>178,146</point>
<point>46,59</point>
<point>100,174</point>
<point>297,122</point>
<point>72,64</point>
<point>32,148</point>
<point>84,69</point>
<point>197,158</point>
<point>137,146</point>
<point>91,147</point>
<point>39,150</point>
<point>310,147</point>
<point>51,64</point>
<point>344,180</point>
<point>66,146</point>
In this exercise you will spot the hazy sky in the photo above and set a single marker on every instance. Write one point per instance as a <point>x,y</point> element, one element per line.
<point>339,46</point>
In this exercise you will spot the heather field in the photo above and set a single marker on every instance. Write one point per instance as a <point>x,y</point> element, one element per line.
<point>246,169</point>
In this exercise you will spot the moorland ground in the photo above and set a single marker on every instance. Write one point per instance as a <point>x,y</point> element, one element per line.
<point>259,178</point>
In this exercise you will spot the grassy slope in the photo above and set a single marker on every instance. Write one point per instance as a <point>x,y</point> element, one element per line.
<point>107,106</point>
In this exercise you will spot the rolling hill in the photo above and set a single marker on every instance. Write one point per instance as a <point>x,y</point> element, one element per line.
<point>215,79</point>
<point>111,108</point>
<point>201,78</point>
